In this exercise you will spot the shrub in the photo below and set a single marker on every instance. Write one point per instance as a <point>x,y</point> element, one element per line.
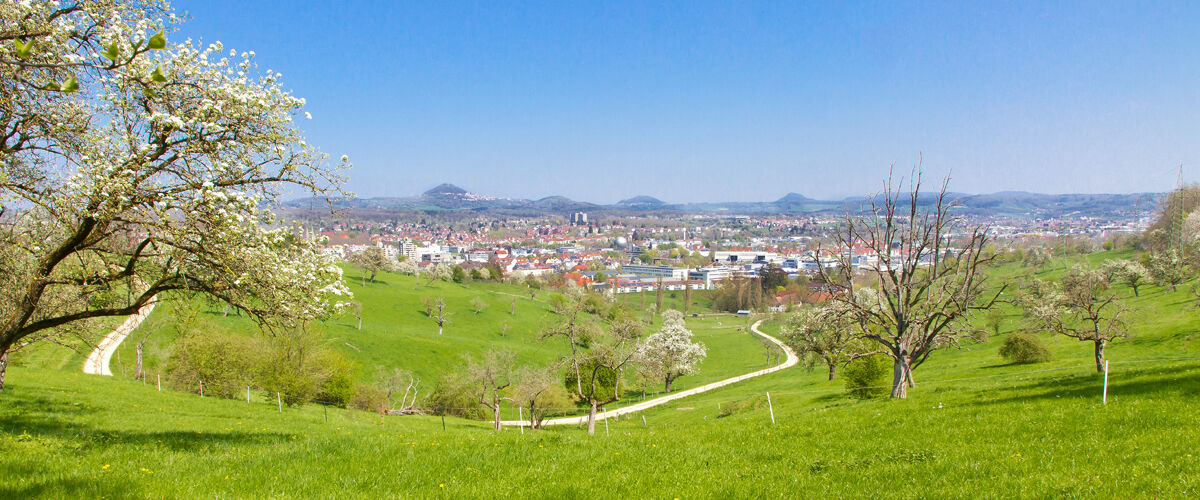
<point>339,374</point>
<point>368,397</point>
<point>1024,348</point>
<point>869,377</point>
<point>454,396</point>
<point>224,362</point>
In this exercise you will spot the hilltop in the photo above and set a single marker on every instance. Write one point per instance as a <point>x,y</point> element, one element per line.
<point>1015,204</point>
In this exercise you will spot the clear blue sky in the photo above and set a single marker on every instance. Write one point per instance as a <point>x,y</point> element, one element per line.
<point>733,101</point>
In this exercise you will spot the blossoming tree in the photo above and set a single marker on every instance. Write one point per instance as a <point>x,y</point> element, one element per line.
<point>670,352</point>
<point>131,166</point>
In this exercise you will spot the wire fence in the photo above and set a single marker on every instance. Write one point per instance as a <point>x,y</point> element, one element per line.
<point>512,413</point>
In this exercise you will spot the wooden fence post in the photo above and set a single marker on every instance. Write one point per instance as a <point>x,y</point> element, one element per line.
<point>771,408</point>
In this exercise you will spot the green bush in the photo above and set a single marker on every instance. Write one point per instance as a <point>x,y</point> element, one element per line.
<point>869,377</point>
<point>340,375</point>
<point>368,397</point>
<point>1024,348</point>
<point>224,362</point>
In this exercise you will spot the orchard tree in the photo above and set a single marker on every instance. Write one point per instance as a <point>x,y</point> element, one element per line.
<point>538,390</point>
<point>478,305</point>
<point>370,261</point>
<point>670,353</point>
<point>133,165</point>
<point>489,376</point>
<point>1128,272</point>
<point>436,272</point>
<point>436,310</point>
<point>1168,268</point>
<point>407,266</point>
<point>1078,307</point>
<point>927,270</point>
<point>825,334</point>
<point>598,356</point>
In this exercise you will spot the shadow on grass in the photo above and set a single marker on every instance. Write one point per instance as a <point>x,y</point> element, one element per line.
<point>48,420</point>
<point>1123,382</point>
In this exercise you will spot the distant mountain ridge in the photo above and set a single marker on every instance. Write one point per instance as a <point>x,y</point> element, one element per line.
<point>449,197</point>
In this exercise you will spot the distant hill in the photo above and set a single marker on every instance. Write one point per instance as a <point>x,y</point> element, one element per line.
<point>445,189</point>
<point>1018,204</point>
<point>641,203</point>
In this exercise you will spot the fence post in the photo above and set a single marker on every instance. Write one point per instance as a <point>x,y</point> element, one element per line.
<point>279,401</point>
<point>159,377</point>
<point>771,408</point>
<point>201,388</point>
<point>521,419</point>
<point>247,394</point>
<point>644,421</point>
<point>1105,382</point>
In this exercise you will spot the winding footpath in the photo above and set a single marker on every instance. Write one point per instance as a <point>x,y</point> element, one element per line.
<point>791,361</point>
<point>97,361</point>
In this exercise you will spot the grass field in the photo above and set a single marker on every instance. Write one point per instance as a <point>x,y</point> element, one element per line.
<point>975,426</point>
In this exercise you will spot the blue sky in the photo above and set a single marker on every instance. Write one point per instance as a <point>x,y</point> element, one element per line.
<point>733,101</point>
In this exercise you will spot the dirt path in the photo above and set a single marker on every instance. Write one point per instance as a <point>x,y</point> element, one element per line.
<point>97,361</point>
<point>791,361</point>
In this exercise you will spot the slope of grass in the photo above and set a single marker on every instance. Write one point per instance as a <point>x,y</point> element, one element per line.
<point>975,426</point>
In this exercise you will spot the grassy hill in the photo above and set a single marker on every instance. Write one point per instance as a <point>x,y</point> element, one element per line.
<point>396,333</point>
<point>975,426</point>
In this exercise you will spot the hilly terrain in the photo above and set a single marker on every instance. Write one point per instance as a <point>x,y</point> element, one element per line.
<point>1015,204</point>
<point>974,423</point>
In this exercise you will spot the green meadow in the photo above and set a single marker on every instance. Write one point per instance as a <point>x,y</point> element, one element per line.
<point>975,425</point>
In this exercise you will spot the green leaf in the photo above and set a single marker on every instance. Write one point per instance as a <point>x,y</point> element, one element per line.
<point>23,49</point>
<point>113,52</point>
<point>70,85</point>
<point>53,86</point>
<point>158,41</point>
<point>158,75</point>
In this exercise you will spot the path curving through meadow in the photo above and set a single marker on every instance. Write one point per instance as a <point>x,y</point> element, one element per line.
<point>792,360</point>
<point>97,361</point>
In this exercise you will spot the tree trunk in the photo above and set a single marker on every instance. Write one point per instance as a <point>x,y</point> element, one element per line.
<point>372,276</point>
<point>1135,291</point>
<point>900,371</point>
<point>591,421</point>
<point>139,362</point>
<point>669,380</point>
<point>3,368</point>
<point>1100,356</point>
<point>833,371</point>
<point>360,322</point>
<point>439,330</point>
<point>496,415</point>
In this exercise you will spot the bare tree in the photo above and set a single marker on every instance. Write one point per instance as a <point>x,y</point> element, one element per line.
<point>356,308</point>
<point>598,357</point>
<point>393,383</point>
<point>535,388</point>
<point>437,312</point>
<point>926,264</point>
<point>490,376</point>
<point>1079,307</point>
